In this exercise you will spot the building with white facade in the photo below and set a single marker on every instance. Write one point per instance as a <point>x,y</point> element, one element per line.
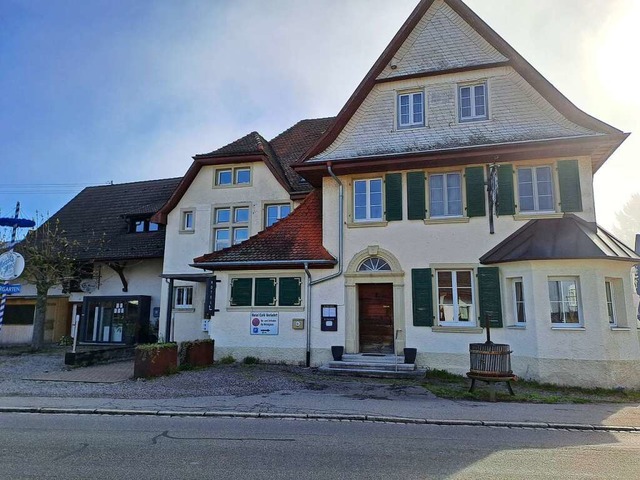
<point>384,238</point>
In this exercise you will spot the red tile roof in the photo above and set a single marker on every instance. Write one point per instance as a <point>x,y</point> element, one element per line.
<point>289,243</point>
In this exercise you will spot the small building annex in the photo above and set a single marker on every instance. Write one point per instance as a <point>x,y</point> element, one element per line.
<point>370,230</point>
<point>120,254</point>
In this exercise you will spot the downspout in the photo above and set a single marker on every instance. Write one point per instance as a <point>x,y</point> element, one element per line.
<point>340,228</point>
<point>308,314</point>
<point>310,282</point>
<point>167,327</point>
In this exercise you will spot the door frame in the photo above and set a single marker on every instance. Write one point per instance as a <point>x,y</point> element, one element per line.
<point>353,277</point>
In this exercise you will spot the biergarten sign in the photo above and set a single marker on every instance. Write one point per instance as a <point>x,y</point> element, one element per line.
<point>11,265</point>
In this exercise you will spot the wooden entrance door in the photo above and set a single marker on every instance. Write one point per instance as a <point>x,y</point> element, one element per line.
<point>375,317</point>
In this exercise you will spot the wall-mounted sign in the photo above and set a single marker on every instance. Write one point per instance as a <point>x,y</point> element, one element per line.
<point>11,265</point>
<point>89,285</point>
<point>9,288</point>
<point>329,318</point>
<point>264,323</point>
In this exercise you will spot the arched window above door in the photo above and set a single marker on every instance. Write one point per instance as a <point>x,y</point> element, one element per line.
<point>374,264</point>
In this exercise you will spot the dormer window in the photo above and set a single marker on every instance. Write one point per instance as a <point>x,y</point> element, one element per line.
<point>473,102</point>
<point>139,225</point>
<point>410,109</point>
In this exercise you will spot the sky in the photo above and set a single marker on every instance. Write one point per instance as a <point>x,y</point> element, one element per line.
<point>117,91</point>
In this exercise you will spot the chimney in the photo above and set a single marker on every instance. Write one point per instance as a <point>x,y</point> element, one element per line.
<point>638,243</point>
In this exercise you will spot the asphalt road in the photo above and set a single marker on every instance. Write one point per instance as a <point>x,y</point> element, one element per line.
<point>106,447</point>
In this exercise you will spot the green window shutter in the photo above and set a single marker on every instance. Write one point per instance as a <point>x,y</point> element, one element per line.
<point>422,297</point>
<point>290,291</point>
<point>393,196</point>
<point>265,292</point>
<point>416,196</point>
<point>241,292</point>
<point>569,180</point>
<point>506,200</point>
<point>474,180</point>
<point>490,300</point>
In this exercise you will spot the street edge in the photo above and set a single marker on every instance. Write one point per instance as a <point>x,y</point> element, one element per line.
<point>322,416</point>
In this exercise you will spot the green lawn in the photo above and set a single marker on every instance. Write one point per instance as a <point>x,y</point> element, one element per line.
<point>447,385</point>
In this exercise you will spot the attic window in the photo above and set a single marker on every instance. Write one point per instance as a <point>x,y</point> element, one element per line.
<point>473,102</point>
<point>229,177</point>
<point>410,109</point>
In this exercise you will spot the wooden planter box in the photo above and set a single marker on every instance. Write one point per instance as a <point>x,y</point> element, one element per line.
<point>198,353</point>
<point>155,360</point>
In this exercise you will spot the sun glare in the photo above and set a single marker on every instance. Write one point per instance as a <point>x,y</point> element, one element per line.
<point>618,51</point>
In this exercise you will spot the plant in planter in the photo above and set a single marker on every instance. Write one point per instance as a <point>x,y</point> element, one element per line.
<point>155,360</point>
<point>197,353</point>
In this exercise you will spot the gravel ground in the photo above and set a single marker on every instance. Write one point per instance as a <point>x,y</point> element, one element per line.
<point>220,380</point>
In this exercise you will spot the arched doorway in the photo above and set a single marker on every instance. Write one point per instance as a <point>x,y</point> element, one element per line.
<point>374,284</point>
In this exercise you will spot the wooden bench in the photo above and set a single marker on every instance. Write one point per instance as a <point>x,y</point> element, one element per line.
<point>491,381</point>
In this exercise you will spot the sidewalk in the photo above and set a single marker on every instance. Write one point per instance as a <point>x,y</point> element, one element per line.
<point>324,398</point>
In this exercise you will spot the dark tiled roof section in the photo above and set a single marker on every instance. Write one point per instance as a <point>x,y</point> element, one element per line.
<point>99,212</point>
<point>296,237</point>
<point>566,238</point>
<point>293,143</point>
<point>148,209</point>
<point>252,143</point>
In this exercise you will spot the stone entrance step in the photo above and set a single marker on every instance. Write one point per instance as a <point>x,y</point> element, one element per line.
<point>372,365</point>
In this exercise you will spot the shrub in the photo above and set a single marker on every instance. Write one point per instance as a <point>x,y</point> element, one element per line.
<point>227,360</point>
<point>250,360</point>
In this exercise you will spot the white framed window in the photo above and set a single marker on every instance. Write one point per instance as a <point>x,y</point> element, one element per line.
<point>445,194</point>
<point>224,177</point>
<point>473,102</point>
<point>410,109</point>
<point>535,189</point>
<point>228,177</point>
<point>519,310</point>
<point>456,299</point>
<point>242,176</point>
<point>231,226</point>
<point>187,220</point>
<point>367,200</point>
<point>273,213</point>
<point>610,298</point>
<point>565,301</point>
<point>183,297</point>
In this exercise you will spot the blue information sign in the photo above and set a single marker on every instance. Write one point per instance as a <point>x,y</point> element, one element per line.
<point>9,288</point>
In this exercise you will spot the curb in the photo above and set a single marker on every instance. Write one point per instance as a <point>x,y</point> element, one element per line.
<point>323,416</point>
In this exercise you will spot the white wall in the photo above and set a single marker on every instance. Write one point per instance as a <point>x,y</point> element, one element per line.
<point>182,247</point>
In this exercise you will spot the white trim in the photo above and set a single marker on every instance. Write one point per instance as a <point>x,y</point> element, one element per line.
<point>472,97</point>
<point>367,193</point>
<point>564,324</point>
<point>410,95</point>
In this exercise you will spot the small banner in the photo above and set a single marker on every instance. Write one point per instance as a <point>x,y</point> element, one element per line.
<point>210,298</point>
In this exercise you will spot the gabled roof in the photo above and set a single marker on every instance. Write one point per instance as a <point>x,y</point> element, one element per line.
<point>291,144</point>
<point>101,211</point>
<point>250,143</point>
<point>293,241</point>
<point>566,238</point>
<point>503,49</point>
<point>278,155</point>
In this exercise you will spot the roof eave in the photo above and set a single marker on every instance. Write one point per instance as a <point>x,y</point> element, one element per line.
<point>264,264</point>
<point>466,155</point>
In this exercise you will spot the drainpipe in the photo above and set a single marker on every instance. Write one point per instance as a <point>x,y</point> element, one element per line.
<point>308,314</point>
<point>167,327</point>
<point>310,282</point>
<point>340,228</point>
